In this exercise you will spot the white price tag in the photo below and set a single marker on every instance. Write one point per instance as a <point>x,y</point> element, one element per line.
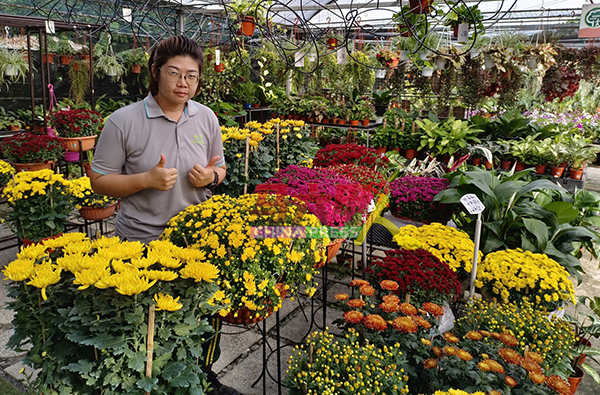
<point>50,27</point>
<point>463,33</point>
<point>217,56</point>
<point>472,203</point>
<point>299,59</point>
<point>342,55</point>
<point>127,14</point>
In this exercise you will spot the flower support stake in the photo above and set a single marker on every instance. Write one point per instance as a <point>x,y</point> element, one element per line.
<point>277,130</point>
<point>150,343</point>
<point>246,165</point>
<point>474,206</point>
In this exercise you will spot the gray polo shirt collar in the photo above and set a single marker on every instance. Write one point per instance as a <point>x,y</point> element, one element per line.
<point>153,110</point>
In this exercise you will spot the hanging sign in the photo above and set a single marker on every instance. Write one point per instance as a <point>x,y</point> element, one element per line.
<point>127,14</point>
<point>299,59</point>
<point>463,33</point>
<point>342,55</point>
<point>50,27</point>
<point>589,25</point>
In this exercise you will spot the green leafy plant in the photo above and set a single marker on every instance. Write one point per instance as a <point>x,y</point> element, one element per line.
<point>80,80</point>
<point>461,13</point>
<point>587,326</point>
<point>447,138</point>
<point>13,66</point>
<point>110,66</point>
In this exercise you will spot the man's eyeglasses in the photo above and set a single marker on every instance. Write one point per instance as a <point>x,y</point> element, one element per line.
<point>174,76</point>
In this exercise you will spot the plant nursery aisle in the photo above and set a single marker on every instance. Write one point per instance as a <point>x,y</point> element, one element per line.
<point>240,363</point>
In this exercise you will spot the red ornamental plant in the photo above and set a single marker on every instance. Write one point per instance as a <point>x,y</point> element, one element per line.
<point>374,182</point>
<point>412,197</point>
<point>76,123</point>
<point>31,148</point>
<point>334,199</point>
<point>342,154</point>
<point>560,82</point>
<point>418,273</point>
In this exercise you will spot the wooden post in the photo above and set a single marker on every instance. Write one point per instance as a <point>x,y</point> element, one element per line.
<point>407,298</point>
<point>246,167</point>
<point>150,343</point>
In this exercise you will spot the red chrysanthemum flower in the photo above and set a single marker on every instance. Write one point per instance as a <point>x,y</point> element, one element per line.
<point>495,366</point>
<point>408,309</point>
<point>437,351</point>
<point>433,308</point>
<point>464,355</point>
<point>389,307</point>
<point>537,377</point>
<point>534,356</point>
<point>356,303</point>
<point>374,321</point>
<point>508,339</point>
<point>558,384</point>
<point>422,322</point>
<point>449,350</point>
<point>353,317</point>
<point>510,356</point>
<point>357,282</point>
<point>430,363</point>
<point>389,285</point>
<point>341,296</point>
<point>391,299</point>
<point>405,324</point>
<point>474,335</point>
<point>367,290</point>
<point>450,338</point>
<point>510,381</point>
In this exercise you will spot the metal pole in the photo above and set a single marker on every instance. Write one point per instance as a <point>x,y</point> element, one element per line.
<point>475,254</point>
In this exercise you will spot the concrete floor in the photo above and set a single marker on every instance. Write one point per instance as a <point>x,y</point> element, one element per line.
<point>241,359</point>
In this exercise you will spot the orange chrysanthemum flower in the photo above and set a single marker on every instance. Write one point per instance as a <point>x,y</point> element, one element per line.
<point>367,290</point>
<point>405,324</point>
<point>356,303</point>
<point>530,365</point>
<point>422,322</point>
<point>558,384</point>
<point>353,317</point>
<point>495,392</point>
<point>341,296</point>
<point>464,355</point>
<point>391,299</point>
<point>449,350</point>
<point>433,308</point>
<point>430,363</point>
<point>389,307</point>
<point>534,356</point>
<point>358,282</point>
<point>408,309</point>
<point>437,351</point>
<point>510,356</point>
<point>374,321</point>
<point>389,285</point>
<point>485,333</point>
<point>474,335</point>
<point>484,366</point>
<point>495,335</point>
<point>495,366</point>
<point>450,338</point>
<point>537,378</point>
<point>510,381</point>
<point>509,339</point>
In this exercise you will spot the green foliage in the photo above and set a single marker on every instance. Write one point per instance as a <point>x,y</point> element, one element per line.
<point>15,62</point>
<point>446,138</point>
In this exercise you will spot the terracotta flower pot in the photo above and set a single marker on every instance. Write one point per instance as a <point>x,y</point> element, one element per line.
<point>27,242</point>
<point>540,169</point>
<point>488,165</point>
<point>97,213</point>
<point>325,120</point>
<point>344,259</point>
<point>520,166</point>
<point>505,164</point>
<point>332,43</point>
<point>87,143</point>
<point>136,68</point>
<point>476,161</point>
<point>48,58</point>
<point>575,380</point>
<point>66,59</point>
<point>88,168</point>
<point>342,121</point>
<point>576,174</point>
<point>245,317</point>
<point>354,123</point>
<point>410,153</point>
<point>557,171</point>
<point>365,122</point>
<point>248,26</point>
<point>332,249</point>
<point>420,6</point>
<point>33,166</point>
<point>14,128</point>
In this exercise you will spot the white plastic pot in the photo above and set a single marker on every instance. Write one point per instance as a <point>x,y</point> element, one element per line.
<point>380,73</point>
<point>111,72</point>
<point>427,72</point>
<point>312,57</point>
<point>489,62</point>
<point>441,63</point>
<point>10,70</point>
<point>423,55</point>
<point>403,55</point>
<point>475,53</point>
<point>532,62</point>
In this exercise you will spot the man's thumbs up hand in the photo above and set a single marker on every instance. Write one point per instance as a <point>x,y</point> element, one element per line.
<point>161,177</point>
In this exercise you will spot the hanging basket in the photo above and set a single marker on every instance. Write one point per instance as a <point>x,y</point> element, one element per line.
<point>87,143</point>
<point>97,213</point>
<point>136,68</point>
<point>332,43</point>
<point>332,249</point>
<point>245,316</point>
<point>66,59</point>
<point>32,166</point>
<point>48,58</point>
<point>420,6</point>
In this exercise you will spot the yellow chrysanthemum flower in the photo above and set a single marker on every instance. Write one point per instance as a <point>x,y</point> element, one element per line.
<point>166,302</point>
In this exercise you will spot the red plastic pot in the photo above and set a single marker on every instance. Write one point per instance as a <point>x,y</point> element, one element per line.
<point>576,174</point>
<point>540,169</point>
<point>557,171</point>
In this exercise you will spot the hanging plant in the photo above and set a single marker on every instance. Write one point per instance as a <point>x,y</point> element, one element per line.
<point>80,80</point>
<point>475,82</point>
<point>589,64</point>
